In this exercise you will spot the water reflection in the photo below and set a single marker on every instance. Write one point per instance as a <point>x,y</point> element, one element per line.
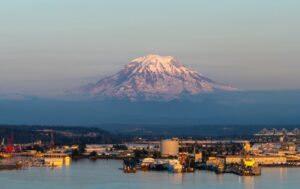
<point>106,174</point>
<point>283,173</point>
<point>248,182</point>
<point>176,178</point>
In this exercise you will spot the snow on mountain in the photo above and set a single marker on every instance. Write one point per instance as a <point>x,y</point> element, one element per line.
<point>153,77</point>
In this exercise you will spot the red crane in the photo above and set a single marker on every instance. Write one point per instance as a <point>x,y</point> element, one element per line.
<point>10,146</point>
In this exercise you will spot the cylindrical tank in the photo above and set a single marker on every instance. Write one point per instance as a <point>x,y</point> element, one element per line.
<point>169,147</point>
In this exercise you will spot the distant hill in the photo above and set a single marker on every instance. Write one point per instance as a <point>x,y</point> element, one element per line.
<point>61,134</point>
<point>195,131</point>
<point>247,108</point>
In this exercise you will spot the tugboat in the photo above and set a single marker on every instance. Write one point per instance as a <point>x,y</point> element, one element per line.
<point>129,165</point>
<point>247,167</point>
<point>250,168</point>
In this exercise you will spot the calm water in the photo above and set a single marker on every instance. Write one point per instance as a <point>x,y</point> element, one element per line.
<point>106,174</point>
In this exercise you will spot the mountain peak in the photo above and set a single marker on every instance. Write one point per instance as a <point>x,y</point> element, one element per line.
<point>153,77</point>
<point>157,64</point>
<point>154,58</point>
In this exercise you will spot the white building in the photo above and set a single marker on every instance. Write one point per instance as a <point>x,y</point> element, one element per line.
<point>100,149</point>
<point>169,147</point>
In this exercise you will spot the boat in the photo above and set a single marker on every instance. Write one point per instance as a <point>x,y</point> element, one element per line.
<point>129,165</point>
<point>247,167</point>
<point>250,167</point>
<point>56,159</point>
<point>11,165</point>
<point>160,165</point>
<point>54,162</point>
<point>174,166</point>
<point>67,160</point>
<point>189,164</point>
<point>248,162</point>
<point>6,155</point>
<point>147,163</point>
<point>220,169</point>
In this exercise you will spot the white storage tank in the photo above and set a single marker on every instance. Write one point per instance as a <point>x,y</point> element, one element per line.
<point>169,147</point>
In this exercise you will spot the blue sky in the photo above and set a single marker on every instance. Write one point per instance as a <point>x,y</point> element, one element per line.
<point>48,46</point>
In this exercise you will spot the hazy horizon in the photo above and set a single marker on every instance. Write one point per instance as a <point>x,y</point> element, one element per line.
<point>49,46</point>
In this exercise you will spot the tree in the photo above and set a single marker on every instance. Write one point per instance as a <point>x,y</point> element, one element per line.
<point>140,153</point>
<point>93,154</point>
<point>156,154</point>
<point>75,154</point>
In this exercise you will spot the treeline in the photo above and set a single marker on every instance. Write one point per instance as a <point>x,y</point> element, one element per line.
<point>199,131</point>
<point>60,135</point>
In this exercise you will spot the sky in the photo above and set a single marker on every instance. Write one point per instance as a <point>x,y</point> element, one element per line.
<point>48,46</point>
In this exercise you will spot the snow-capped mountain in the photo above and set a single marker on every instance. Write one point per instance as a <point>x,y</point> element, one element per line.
<point>153,77</point>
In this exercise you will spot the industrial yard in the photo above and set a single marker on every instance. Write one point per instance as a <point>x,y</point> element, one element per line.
<point>274,148</point>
